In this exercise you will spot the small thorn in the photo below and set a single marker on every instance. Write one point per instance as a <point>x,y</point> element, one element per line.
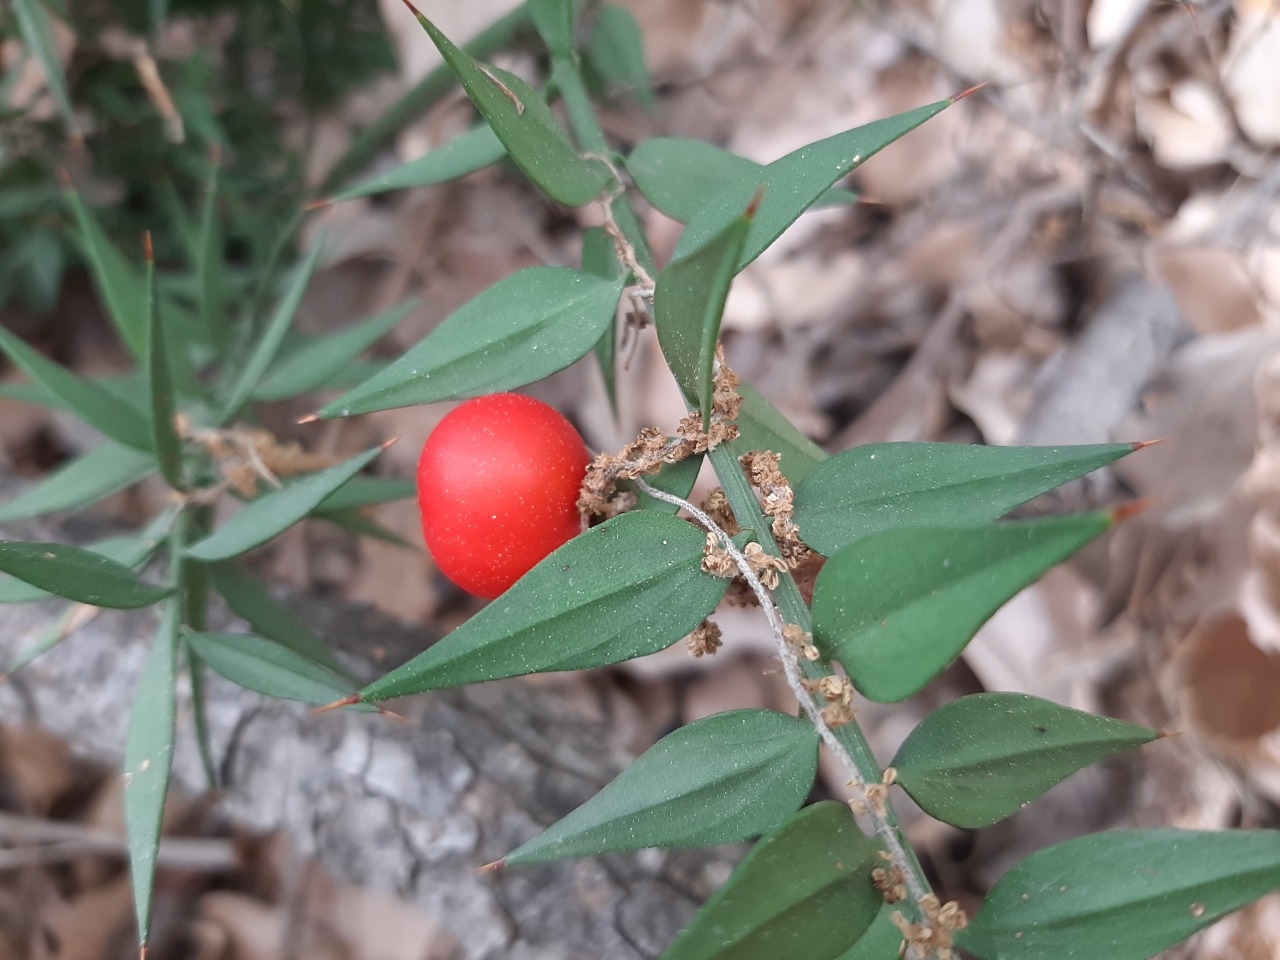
<point>1127,511</point>
<point>496,867</point>
<point>64,179</point>
<point>309,418</point>
<point>1165,734</point>
<point>1143,444</point>
<point>317,204</point>
<point>390,714</point>
<point>338,704</point>
<point>972,90</point>
<point>142,951</point>
<point>148,250</point>
<point>387,443</point>
<point>754,205</point>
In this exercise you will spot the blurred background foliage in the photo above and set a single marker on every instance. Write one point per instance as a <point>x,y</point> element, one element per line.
<point>238,72</point>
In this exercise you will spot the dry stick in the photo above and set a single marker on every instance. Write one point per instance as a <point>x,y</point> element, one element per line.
<point>34,841</point>
<point>888,835</point>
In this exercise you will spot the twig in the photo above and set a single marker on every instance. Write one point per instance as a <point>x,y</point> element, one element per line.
<point>37,842</point>
<point>791,667</point>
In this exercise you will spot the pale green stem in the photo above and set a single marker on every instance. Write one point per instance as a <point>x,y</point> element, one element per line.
<point>847,742</point>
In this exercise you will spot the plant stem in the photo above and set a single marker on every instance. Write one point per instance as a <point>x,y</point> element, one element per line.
<point>591,138</point>
<point>847,742</point>
<point>194,587</point>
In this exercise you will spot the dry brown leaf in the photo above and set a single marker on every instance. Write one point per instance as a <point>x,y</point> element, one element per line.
<point>254,930</point>
<point>35,769</point>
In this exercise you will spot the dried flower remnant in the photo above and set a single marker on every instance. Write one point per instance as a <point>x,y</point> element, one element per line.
<point>716,505</point>
<point>716,559</point>
<point>890,880</point>
<point>764,565</point>
<point>651,450</point>
<point>705,640</point>
<point>801,641</point>
<point>246,458</point>
<point>936,936</point>
<point>778,501</point>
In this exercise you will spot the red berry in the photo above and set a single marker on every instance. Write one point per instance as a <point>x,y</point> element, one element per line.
<point>498,488</point>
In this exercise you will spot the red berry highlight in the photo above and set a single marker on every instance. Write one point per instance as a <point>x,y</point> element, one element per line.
<point>498,489</point>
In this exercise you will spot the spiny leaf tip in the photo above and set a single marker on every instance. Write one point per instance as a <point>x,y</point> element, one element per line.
<point>1127,511</point>
<point>972,90</point>
<point>346,701</point>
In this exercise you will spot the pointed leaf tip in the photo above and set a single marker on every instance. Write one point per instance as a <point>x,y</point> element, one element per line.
<point>347,701</point>
<point>972,90</point>
<point>1143,444</point>
<point>754,205</point>
<point>309,418</point>
<point>319,204</point>
<point>497,866</point>
<point>1127,511</point>
<point>147,249</point>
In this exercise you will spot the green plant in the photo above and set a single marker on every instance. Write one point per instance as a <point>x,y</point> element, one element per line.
<point>498,489</point>
<point>904,546</point>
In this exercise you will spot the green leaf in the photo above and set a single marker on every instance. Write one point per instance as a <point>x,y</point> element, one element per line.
<point>631,586</point>
<point>316,364</point>
<point>688,304</point>
<point>249,600</point>
<point>553,19</point>
<point>981,758</point>
<point>119,284</point>
<point>526,126</point>
<point>474,150</point>
<point>208,257</point>
<point>1122,895</point>
<point>273,513</point>
<point>197,676</point>
<point>616,52</point>
<point>526,327</point>
<point>148,761</point>
<point>78,574</point>
<point>761,426</point>
<point>367,491</point>
<point>130,552</point>
<point>164,435</point>
<point>104,470</point>
<point>94,404</point>
<point>265,350</point>
<point>881,941</point>
<point>600,258</point>
<point>268,667</point>
<point>898,606</point>
<point>723,778</point>
<point>37,34</point>
<point>360,523</point>
<point>803,891</point>
<point>885,485</point>
<point>679,177</point>
<point>417,100</point>
<point>795,182</point>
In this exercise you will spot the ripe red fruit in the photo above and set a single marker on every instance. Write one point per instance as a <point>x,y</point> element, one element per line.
<point>498,488</point>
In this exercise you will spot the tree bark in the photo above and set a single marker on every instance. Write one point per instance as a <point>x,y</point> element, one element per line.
<point>415,806</point>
